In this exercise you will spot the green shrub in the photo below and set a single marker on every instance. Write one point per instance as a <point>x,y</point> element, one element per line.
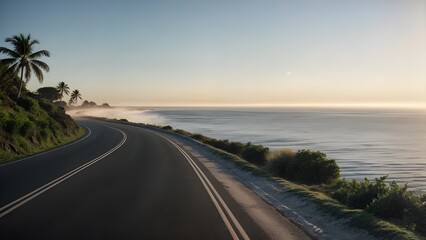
<point>221,144</point>
<point>419,217</point>
<point>3,118</point>
<point>27,128</point>
<point>256,154</point>
<point>392,204</point>
<point>44,134</point>
<point>201,138</point>
<point>182,132</point>
<point>14,123</point>
<point>11,126</point>
<point>47,106</point>
<point>235,148</point>
<point>305,166</point>
<point>27,103</point>
<point>278,162</point>
<point>167,128</point>
<point>385,201</point>
<point>360,194</point>
<point>42,124</point>
<point>315,168</point>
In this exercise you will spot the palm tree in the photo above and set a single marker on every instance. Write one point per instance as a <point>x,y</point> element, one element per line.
<point>23,59</point>
<point>75,95</point>
<point>63,88</point>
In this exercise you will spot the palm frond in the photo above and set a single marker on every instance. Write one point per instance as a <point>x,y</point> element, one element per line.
<point>8,61</point>
<point>41,65</point>
<point>34,41</point>
<point>18,42</point>
<point>38,72</point>
<point>14,68</point>
<point>39,54</point>
<point>9,52</point>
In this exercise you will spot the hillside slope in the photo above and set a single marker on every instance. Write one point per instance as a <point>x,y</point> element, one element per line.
<point>31,124</point>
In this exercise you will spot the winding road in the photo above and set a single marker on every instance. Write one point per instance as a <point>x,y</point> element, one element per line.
<point>118,182</point>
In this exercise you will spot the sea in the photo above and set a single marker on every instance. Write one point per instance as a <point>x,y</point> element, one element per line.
<point>366,143</point>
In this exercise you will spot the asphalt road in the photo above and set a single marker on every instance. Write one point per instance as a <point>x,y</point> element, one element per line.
<point>119,182</point>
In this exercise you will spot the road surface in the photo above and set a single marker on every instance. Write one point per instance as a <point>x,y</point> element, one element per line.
<point>118,182</point>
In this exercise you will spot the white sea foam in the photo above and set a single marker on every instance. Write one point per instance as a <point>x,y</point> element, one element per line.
<point>138,115</point>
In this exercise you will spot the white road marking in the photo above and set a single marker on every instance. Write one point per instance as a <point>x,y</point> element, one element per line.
<point>49,151</point>
<point>213,194</point>
<point>21,201</point>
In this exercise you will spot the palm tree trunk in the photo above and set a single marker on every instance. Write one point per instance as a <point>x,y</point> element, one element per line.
<point>22,82</point>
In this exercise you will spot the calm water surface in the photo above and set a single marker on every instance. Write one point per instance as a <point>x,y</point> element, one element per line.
<point>365,142</point>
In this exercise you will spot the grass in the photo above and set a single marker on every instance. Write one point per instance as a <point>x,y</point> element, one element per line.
<point>31,125</point>
<point>357,218</point>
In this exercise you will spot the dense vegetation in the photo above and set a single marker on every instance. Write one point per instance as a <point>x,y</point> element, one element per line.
<point>31,124</point>
<point>387,201</point>
<point>304,166</point>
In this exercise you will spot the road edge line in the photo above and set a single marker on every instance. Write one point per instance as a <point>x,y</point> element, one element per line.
<point>48,151</point>
<point>6,209</point>
<point>212,193</point>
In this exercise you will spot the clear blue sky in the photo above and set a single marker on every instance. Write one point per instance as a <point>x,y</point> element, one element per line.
<point>229,52</point>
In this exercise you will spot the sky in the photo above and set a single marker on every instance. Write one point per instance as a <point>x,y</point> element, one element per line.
<point>229,52</point>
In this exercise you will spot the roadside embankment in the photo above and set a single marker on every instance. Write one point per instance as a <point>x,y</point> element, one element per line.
<point>30,125</point>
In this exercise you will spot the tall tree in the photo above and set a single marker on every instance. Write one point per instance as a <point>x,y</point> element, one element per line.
<point>75,95</point>
<point>49,93</point>
<point>23,59</point>
<point>63,88</point>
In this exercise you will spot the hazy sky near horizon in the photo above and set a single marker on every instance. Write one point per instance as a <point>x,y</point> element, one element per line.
<point>229,52</point>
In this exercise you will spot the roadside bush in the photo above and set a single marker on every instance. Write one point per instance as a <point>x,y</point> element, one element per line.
<point>167,128</point>
<point>256,154</point>
<point>386,201</point>
<point>235,148</point>
<point>419,217</point>
<point>392,204</point>
<point>182,132</point>
<point>305,166</point>
<point>359,194</point>
<point>201,138</point>
<point>278,162</point>
<point>221,144</point>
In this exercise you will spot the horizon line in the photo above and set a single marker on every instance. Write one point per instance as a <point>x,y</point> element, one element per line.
<point>295,105</point>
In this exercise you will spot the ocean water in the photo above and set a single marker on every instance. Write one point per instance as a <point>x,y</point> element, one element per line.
<point>364,142</point>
